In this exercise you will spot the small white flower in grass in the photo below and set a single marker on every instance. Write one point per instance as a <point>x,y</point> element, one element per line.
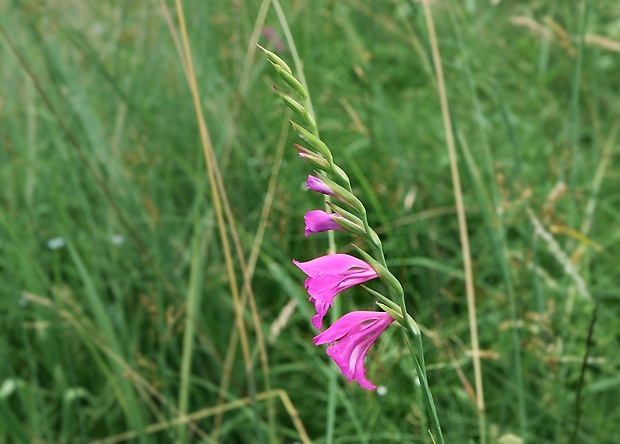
<point>382,390</point>
<point>117,239</point>
<point>417,381</point>
<point>56,243</point>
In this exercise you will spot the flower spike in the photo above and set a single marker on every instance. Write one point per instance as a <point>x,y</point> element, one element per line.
<point>351,336</point>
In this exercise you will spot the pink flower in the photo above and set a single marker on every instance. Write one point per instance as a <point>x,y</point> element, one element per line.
<point>317,221</point>
<point>352,335</point>
<point>316,184</point>
<point>328,276</point>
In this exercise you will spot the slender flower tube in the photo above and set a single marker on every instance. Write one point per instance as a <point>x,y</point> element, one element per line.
<point>316,184</point>
<point>352,335</point>
<point>328,276</point>
<point>318,221</point>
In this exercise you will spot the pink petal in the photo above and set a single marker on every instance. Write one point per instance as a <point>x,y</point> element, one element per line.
<point>328,276</point>
<point>317,221</point>
<point>353,334</point>
<point>316,184</point>
<point>324,288</point>
<point>321,310</point>
<point>334,264</point>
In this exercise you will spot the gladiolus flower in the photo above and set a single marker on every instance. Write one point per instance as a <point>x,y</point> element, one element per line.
<point>328,276</point>
<point>352,335</point>
<point>316,184</point>
<point>317,221</point>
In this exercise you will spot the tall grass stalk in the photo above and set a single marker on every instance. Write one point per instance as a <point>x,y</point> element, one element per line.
<point>491,208</point>
<point>247,270</point>
<point>247,293</point>
<point>216,200</point>
<point>460,210</point>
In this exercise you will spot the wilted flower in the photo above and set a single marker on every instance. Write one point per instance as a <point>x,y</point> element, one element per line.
<point>352,335</point>
<point>328,276</point>
<point>318,221</point>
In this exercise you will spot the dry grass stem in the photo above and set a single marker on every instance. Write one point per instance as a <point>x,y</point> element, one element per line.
<point>462,220</point>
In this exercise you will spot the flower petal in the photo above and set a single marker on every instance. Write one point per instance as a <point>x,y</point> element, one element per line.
<point>334,264</point>
<point>316,184</point>
<point>353,335</point>
<point>318,221</point>
<point>329,275</point>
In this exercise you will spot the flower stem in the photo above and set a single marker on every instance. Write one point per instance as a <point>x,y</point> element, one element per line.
<point>420,367</point>
<point>413,331</point>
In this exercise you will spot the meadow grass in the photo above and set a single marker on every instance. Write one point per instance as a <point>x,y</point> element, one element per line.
<point>149,296</point>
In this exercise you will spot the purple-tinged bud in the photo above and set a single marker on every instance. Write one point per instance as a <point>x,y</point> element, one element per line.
<point>316,184</point>
<point>318,221</point>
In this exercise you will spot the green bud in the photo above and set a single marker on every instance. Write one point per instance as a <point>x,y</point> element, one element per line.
<point>374,238</point>
<point>291,103</point>
<point>313,141</point>
<point>313,158</point>
<point>394,312</point>
<point>349,226</point>
<point>345,214</point>
<point>275,60</point>
<point>292,81</point>
<point>341,175</point>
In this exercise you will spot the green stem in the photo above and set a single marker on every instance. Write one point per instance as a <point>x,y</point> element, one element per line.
<point>193,300</point>
<point>420,367</point>
<point>418,355</point>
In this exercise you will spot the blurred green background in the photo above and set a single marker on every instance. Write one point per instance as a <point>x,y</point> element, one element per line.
<point>111,249</point>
